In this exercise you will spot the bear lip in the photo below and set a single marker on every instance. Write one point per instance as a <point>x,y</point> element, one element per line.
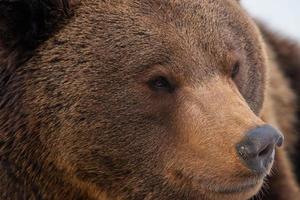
<point>239,188</point>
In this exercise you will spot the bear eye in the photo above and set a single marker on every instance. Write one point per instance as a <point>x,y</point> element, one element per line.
<point>235,70</point>
<point>160,83</point>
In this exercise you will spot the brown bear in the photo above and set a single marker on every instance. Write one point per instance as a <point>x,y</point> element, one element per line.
<point>139,99</point>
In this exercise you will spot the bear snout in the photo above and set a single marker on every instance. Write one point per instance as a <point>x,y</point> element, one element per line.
<point>257,149</point>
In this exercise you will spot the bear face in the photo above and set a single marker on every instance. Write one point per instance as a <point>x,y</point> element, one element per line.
<point>149,99</point>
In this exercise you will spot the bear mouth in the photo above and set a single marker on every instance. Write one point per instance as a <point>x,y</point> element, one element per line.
<point>239,188</point>
<point>248,184</point>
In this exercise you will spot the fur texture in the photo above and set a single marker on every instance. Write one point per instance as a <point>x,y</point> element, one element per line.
<point>79,118</point>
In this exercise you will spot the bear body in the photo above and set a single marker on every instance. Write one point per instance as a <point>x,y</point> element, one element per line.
<point>136,99</point>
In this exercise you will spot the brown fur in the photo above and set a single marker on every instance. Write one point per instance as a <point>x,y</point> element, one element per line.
<point>279,110</point>
<point>79,121</point>
<point>287,53</point>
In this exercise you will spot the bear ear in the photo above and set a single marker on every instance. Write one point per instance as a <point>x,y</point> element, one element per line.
<point>23,23</point>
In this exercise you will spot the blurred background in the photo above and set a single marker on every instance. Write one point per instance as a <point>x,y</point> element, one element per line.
<point>282,16</point>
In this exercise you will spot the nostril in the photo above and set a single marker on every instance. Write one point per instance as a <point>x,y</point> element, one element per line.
<point>280,140</point>
<point>265,151</point>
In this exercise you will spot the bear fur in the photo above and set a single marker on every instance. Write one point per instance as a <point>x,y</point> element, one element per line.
<point>78,120</point>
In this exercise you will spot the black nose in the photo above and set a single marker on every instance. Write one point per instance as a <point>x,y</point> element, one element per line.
<point>257,150</point>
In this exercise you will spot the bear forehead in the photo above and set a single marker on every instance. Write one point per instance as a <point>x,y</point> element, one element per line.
<point>216,27</point>
<point>140,32</point>
<point>203,18</point>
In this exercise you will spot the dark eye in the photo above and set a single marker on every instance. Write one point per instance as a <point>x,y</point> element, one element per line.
<point>235,70</point>
<point>160,83</point>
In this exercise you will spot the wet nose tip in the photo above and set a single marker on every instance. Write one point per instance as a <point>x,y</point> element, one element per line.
<point>257,149</point>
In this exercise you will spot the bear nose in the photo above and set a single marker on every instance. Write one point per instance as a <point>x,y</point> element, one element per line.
<point>257,149</point>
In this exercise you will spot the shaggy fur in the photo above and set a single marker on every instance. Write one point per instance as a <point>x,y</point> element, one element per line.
<point>79,118</point>
<point>287,53</point>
